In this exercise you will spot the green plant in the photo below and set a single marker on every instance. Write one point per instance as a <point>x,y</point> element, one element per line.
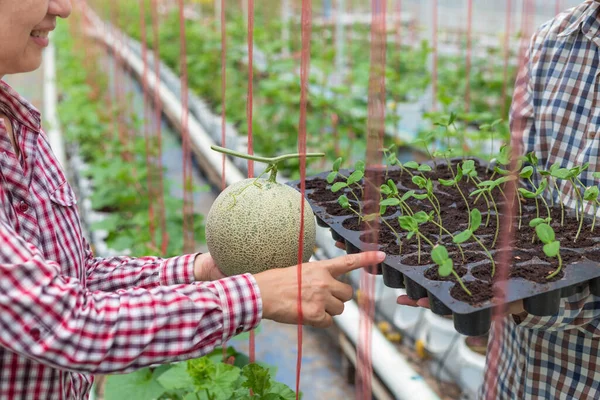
<point>207,378</point>
<point>439,255</point>
<point>538,191</point>
<point>411,225</point>
<point>350,181</point>
<point>551,246</point>
<point>470,233</point>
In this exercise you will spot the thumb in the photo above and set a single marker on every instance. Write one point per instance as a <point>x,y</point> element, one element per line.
<point>341,265</point>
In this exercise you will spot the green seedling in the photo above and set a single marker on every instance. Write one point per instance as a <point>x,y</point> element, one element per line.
<point>391,159</point>
<point>488,187</point>
<point>470,233</point>
<point>550,175</point>
<point>411,223</point>
<point>591,195</point>
<point>439,255</point>
<point>536,221</point>
<point>551,246</point>
<point>454,182</point>
<point>526,173</point>
<point>427,185</point>
<point>345,204</point>
<point>349,181</point>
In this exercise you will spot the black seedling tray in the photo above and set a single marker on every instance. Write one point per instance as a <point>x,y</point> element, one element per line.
<point>540,299</point>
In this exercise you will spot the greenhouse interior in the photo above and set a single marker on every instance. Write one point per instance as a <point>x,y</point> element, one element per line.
<point>401,193</point>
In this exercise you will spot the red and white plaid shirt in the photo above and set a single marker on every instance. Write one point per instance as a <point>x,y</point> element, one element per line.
<point>65,315</point>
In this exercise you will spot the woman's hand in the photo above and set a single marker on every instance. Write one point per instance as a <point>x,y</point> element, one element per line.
<point>323,296</point>
<point>205,268</point>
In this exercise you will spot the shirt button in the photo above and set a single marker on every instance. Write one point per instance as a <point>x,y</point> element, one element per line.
<point>35,334</point>
<point>23,207</point>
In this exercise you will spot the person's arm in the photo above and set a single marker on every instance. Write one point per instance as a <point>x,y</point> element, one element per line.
<point>581,311</point>
<point>113,273</point>
<point>55,320</point>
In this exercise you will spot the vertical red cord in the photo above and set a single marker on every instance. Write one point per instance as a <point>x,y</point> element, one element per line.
<point>434,40</point>
<point>507,34</point>
<point>249,109</point>
<point>146,126</point>
<point>158,127</point>
<point>469,55</point>
<point>306,25</point>
<point>558,7</point>
<point>188,200</point>
<point>223,117</point>
<point>223,90</point>
<point>250,83</point>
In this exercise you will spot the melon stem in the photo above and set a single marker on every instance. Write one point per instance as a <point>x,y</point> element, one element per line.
<point>272,161</point>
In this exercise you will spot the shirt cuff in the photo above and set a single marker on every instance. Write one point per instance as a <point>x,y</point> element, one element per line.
<point>241,304</point>
<point>178,270</point>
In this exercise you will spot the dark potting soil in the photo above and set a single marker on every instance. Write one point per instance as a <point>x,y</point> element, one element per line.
<point>593,255</point>
<point>537,272</point>
<point>321,196</point>
<point>432,274</point>
<point>470,257</point>
<point>336,210</point>
<point>481,292</point>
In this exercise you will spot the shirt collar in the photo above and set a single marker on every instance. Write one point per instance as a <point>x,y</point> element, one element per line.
<point>588,22</point>
<point>21,109</point>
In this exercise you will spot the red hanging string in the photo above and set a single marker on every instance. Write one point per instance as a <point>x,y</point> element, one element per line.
<point>558,7</point>
<point>223,117</point>
<point>375,134</point>
<point>223,89</point>
<point>250,83</point>
<point>507,234</point>
<point>306,26</point>
<point>249,109</point>
<point>469,55</point>
<point>158,127</point>
<point>146,125</point>
<point>434,41</point>
<point>507,34</point>
<point>188,200</point>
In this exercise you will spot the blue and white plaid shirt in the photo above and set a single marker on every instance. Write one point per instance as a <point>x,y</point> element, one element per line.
<point>556,113</point>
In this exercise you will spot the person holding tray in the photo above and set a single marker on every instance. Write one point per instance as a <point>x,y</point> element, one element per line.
<point>556,114</point>
<point>66,314</point>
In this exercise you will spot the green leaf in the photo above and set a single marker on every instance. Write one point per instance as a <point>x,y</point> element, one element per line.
<point>370,217</point>
<point>541,188</point>
<point>392,186</point>
<point>439,254</point>
<point>424,168</point>
<point>331,177</point>
<point>463,236</point>
<point>545,233</point>
<point>420,196</point>
<point>136,385</point>
<point>412,165</point>
<point>526,172</point>
<point>532,158</point>
<point>419,181</point>
<point>447,182</point>
<point>355,177</point>
<point>392,159</point>
<point>360,166</point>
<point>421,217</point>
<point>536,221</point>
<point>176,377</point>
<point>527,194</point>
<point>452,118</point>
<point>257,379</point>
<point>475,219</point>
<point>407,195</point>
<point>408,223</point>
<point>446,268</point>
<point>337,164</point>
<point>385,190</point>
<point>551,249</point>
<point>282,390</point>
<point>468,165</point>
<point>392,201</point>
<point>410,235</point>
<point>343,201</point>
<point>338,186</point>
<point>596,175</point>
<point>496,122</point>
<point>561,173</point>
<point>591,193</point>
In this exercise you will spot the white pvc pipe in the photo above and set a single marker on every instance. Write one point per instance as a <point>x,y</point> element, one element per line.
<point>389,364</point>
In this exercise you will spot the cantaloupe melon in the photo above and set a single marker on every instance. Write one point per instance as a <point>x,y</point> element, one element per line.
<point>254,225</point>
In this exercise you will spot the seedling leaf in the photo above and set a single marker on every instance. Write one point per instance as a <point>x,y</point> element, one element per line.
<point>439,254</point>
<point>419,181</point>
<point>337,164</point>
<point>390,202</point>
<point>331,177</point>
<point>552,249</point>
<point>526,172</point>
<point>475,219</point>
<point>545,233</point>
<point>355,177</point>
<point>463,236</point>
<point>343,201</point>
<point>446,268</point>
<point>411,165</point>
<point>421,217</point>
<point>338,186</point>
<point>424,168</point>
<point>536,221</point>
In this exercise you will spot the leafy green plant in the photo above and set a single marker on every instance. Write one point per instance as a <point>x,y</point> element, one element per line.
<point>474,224</point>
<point>207,378</point>
<point>350,181</point>
<point>551,246</point>
<point>439,255</point>
<point>411,225</point>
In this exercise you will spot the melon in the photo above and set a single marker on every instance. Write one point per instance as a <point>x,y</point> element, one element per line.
<point>254,225</point>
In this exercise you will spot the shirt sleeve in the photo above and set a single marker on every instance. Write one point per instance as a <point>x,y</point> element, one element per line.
<point>113,273</point>
<point>580,311</point>
<point>57,321</point>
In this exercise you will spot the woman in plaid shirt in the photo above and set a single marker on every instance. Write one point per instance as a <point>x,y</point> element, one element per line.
<point>556,114</point>
<point>65,314</point>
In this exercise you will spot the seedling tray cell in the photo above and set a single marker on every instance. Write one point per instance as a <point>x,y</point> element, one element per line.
<point>580,270</point>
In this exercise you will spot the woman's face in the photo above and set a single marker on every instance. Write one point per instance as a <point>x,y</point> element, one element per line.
<point>24,29</point>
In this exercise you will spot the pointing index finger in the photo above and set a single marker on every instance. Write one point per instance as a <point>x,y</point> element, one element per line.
<point>341,265</point>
